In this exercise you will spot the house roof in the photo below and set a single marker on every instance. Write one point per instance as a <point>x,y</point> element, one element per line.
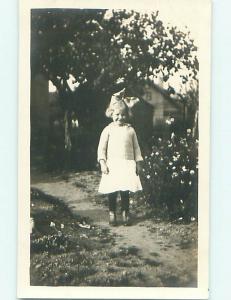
<point>165,94</point>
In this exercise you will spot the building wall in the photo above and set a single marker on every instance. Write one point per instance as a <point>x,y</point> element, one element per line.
<point>39,102</point>
<point>162,107</point>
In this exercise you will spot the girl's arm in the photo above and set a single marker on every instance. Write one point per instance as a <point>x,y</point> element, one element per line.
<point>136,147</point>
<point>103,166</point>
<point>137,154</point>
<point>102,150</point>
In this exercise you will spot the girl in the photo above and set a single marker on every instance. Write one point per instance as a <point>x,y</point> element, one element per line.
<point>119,157</point>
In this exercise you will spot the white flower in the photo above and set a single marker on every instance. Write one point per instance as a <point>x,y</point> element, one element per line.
<point>152,154</point>
<point>148,176</point>
<point>168,122</point>
<point>190,183</point>
<point>189,130</point>
<point>175,158</point>
<point>159,139</point>
<point>173,168</point>
<point>193,219</point>
<point>170,145</point>
<point>192,172</point>
<point>181,201</point>
<point>75,123</point>
<point>172,119</point>
<point>157,153</point>
<point>184,169</point>
<point>172,135</point>
<point>170,163</point>
<point>174,174</point>
<point>62,226</point>
<point>182,181</point>
<point>52,224</point>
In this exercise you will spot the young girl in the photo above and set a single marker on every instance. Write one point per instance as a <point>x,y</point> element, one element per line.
<point>119,156</point>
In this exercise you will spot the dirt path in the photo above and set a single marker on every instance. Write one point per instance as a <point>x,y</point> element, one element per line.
<point>158,244</point>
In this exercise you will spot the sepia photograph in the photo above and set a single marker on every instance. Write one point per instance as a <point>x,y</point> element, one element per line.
<point>113,188</point>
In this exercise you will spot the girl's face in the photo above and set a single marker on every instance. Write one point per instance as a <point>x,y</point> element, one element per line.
<point>119,116</point>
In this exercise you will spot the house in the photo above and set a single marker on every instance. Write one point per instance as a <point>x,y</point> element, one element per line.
<point>164,106</point>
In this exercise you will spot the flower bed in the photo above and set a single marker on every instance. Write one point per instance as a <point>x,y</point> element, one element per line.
<point>170,176</point>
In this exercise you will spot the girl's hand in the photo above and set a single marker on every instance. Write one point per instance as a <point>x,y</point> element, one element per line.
<point>104,167</point>
<point>138,167</point>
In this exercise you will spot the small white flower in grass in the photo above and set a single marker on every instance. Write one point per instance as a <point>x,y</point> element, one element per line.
<point>148,176</point>
<point>62,226</point>
<point>152,154</point>
<point>170,145</point>
<point>157,153</point>
<point>170,163</point>
<point>189,130</point>
<point>32,204</point>
<point>175,158</point>
<point>193,219</point>
<point>181,201</point>
<point>190,183</point>
<point>161,158</point>
<point>192,172</point>
<point>173,168</point>
<point>168,122</point>
<point>159,139</point>
<point>155,173</point>
<point>52,224</point>
<point>184,169</point>
<point>131,201</point>
<point>182,181</point>
<point>172,119</point>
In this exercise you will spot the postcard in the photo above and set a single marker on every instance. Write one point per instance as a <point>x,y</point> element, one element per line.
<point>114,127</point>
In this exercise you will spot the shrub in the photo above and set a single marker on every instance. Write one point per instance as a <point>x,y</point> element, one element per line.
<point>170,176</point>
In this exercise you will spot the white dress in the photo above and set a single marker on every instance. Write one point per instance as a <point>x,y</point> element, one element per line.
<point>119,147</point>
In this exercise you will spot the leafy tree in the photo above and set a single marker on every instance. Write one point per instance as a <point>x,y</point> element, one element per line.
<point>89,54</point>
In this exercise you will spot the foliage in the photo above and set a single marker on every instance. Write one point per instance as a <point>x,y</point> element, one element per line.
<point>89,54</point>
<point>99,48</point>
<point>170,176</point>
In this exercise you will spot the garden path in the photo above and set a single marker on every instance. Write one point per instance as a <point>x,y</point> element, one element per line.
<point>156,243</point>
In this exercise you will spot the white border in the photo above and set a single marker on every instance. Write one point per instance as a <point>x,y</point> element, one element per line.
<point>24,288</point>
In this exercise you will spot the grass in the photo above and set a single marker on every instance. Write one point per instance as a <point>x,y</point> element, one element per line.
<point>65,254</point>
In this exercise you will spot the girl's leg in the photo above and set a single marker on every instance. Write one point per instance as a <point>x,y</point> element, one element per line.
<point>112,207</point>
<point>125,206</point>
<point>124,201</point>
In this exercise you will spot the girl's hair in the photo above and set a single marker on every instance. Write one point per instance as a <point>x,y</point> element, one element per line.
<point>119,105</point>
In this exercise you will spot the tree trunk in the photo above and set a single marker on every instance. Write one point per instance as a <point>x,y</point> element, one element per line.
<point>67,131</point>
<point>195,124</point>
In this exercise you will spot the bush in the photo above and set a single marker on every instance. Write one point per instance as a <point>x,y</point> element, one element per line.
<point>170,176</point>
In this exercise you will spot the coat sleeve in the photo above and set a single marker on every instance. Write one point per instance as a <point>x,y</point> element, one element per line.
<point>103,143</point>
<point>137,152</point>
